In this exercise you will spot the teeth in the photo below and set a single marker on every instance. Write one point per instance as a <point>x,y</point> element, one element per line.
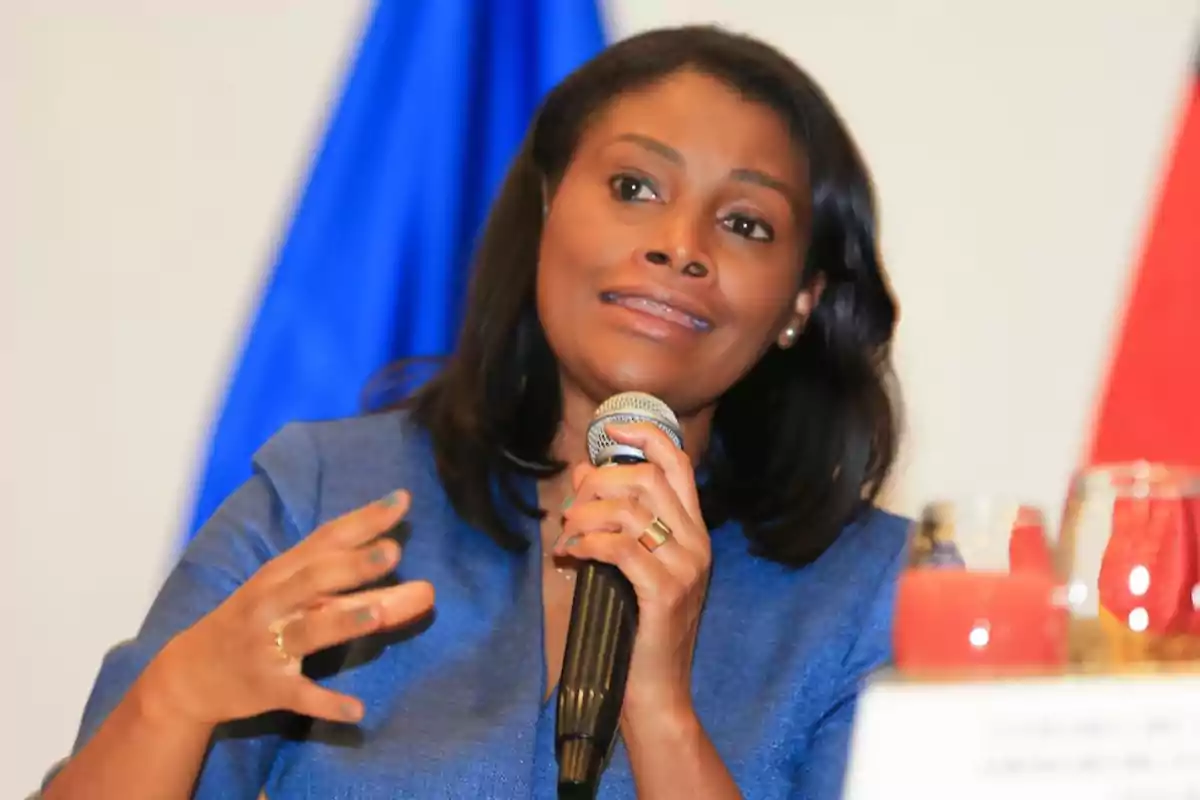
<point>658,309</point>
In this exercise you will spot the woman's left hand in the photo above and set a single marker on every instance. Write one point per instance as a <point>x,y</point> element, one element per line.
<point>613,507</point>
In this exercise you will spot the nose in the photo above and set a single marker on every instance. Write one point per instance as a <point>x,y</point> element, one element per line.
<point>683,254</point>
<point>691,268</point>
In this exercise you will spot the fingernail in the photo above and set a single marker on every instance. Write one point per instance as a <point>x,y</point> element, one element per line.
<point>351,712</point>
<point>574,540</point>
<point>391,499</point>
<point>364,615</point>
<point>567,502</point>
<point>379,554</point>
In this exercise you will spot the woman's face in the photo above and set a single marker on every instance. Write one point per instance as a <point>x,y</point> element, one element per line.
<point>672,249</point>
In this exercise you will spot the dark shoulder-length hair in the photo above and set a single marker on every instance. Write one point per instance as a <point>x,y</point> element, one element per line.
<point>801,444</point>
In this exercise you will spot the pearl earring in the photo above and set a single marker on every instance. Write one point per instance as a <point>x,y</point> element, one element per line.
<point>789,336</point>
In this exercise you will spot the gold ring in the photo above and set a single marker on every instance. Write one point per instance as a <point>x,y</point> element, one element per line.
<point>276,629</point>
<point>656,534</point>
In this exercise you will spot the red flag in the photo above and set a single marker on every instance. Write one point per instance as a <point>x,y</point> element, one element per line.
<point>1150,407</point>
<point>1150,411</point>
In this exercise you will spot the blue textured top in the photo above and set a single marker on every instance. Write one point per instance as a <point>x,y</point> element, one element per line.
<point>457,709</point>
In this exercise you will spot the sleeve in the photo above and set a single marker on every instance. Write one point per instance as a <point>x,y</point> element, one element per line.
<point>822,771</point>
<point>264,517</point>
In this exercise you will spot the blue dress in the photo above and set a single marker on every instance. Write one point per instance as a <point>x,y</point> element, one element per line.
<point>456,710</point>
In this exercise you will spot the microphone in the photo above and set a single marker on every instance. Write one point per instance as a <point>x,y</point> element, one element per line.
<point>603,621</point>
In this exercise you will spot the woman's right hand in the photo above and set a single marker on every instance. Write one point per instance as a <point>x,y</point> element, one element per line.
<point>243,658</point>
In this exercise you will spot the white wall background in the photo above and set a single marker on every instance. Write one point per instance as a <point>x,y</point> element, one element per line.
<point>149,154</point>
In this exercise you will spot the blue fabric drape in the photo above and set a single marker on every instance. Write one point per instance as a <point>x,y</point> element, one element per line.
<point>373,267</point>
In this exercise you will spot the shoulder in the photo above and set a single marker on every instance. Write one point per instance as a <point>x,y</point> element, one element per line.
<point>869,551</point>
<point>839,605</point>
<point>864,565</point>
<point>811,632</point>
<point>843,592</point>
<point>871,548</point>
<point>373,436</point>
<point>319,470</point>
<point>862,570</point>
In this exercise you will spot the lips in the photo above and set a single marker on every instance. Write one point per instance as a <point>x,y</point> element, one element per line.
<point>657,308</point>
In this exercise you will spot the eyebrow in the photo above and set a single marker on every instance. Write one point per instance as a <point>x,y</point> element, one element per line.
<point>654,146</point>
<point>740,174</point>
<point>762,179</point>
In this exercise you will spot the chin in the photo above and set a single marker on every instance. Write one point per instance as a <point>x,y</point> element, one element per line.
<point>674,385</point>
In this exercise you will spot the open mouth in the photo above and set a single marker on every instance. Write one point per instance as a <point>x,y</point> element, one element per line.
<point>658,309</point>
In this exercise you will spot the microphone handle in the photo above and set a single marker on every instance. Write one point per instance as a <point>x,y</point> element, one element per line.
<point>592,686</point>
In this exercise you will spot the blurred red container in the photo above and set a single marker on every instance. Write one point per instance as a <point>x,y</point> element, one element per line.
<point>1129,544</point>
<point>980,596</point>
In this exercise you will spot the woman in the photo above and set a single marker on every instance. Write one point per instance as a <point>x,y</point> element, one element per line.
<point>688,217</point>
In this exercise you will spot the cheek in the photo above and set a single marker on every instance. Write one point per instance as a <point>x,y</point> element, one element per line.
<point>762,297</point>
<point>583,232</point>
<point>565,277</point>
<point>581,241</point>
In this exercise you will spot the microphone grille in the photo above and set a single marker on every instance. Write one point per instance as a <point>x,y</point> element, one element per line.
<point>628,407</point>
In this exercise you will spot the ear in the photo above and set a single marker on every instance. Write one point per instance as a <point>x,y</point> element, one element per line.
<point>806,300</point>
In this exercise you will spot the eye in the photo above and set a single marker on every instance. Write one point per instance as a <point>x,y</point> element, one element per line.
<point>632,188</point>
<point>749,228</point>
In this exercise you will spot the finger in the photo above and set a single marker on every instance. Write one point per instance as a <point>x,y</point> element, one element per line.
<point>579,473</point>
<point>357,615</point>
<point>650,577</point>
<point>325,575</point>
<point>313,700</point>
<point>660,450</point>
<point>612,515</point>
<point>628,519</point>
<point>358,526</point>
<point>643,485</point>
<point>392,605</point>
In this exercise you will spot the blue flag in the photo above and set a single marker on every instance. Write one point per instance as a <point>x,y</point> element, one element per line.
<point>375,263</point>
